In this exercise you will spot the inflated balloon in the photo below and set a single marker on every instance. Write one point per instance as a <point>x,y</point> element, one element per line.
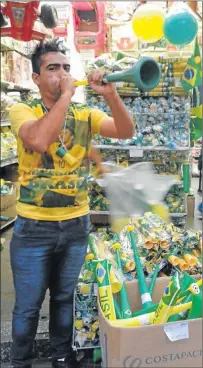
<point>180,26</point>
<point>148,23</point>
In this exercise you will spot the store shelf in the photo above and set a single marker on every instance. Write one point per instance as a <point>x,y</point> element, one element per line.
<point>8,223</point>
<point>8,48</point>
<point>93,213</point>
<point>107,213</point>
<point>5,123</point>
<point>9,161</point>
<point>184,214</point>
<point>15,87</point>
<point>135,148</point>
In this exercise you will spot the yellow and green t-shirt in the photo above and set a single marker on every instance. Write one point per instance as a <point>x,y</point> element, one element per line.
<point>53,187</point>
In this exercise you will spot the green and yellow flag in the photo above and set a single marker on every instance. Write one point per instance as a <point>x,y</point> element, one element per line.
<point>192,76</point>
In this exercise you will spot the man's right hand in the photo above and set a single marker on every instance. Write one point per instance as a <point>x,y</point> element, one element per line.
<point>67,85</point>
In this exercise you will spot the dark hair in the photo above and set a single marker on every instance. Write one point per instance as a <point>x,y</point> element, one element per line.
<point>44,48</point>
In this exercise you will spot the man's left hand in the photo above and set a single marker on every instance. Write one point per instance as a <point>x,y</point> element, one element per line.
<point>95,79</point>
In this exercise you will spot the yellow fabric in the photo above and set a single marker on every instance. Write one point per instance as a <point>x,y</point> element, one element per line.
<point>53,185</point>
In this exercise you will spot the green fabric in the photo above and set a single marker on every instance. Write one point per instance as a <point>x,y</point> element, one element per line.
<point>192,76</point>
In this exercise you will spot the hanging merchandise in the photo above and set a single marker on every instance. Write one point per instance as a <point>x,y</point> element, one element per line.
<point>89,27</point>
<point>192,76</point>
<point>118,12</point>
<point>123,39</point>
<point>192,80</point>
<point>180,26</point>
<point>148,23</point>
<point>63,18</point>
<point>22,16</point>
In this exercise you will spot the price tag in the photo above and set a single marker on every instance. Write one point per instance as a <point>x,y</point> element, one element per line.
<point>178,82</point>
<point>177,331</point>
<point>119,84</point>
<point>95,289</point>
<point>134,152</point>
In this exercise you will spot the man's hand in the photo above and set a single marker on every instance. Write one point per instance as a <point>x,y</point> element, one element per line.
<point>95,81</point>
<point>102,170</point>
<point>67,85</point>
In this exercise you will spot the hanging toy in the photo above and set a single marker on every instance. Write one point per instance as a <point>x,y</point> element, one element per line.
<point>180,26</point>
<point>148,23</point>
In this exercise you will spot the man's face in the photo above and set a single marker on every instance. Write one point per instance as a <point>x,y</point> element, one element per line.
<point>54,66</point>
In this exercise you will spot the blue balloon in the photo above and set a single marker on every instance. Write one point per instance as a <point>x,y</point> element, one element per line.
<point>180,28</point>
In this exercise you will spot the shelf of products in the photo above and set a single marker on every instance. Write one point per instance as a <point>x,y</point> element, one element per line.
<point>8,203</point>
<point>158,243</point>
<point>86,321</point>
<point>8,146</point>
<point>10,44</point>
<point>134,148</point>
<point>162,128</point>
<point>5,123</point>
<point>9,161</point>
<point>14,87</point>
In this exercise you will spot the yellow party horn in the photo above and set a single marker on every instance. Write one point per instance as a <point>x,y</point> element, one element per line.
<point>173,260</point>
<point>190,259</point>
<point>81,83</point>
<point>182,264</point>
<point>196,253</point>
<point>148,318</point>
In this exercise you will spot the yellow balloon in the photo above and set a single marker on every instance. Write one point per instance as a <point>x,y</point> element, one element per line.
<point>148,23</point>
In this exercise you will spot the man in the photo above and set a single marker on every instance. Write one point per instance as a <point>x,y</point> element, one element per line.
<point>51,232</point>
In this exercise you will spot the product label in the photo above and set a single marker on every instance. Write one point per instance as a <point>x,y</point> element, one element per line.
<point>177,331</point>
<point>106,302</point>
<point>144,319</point>
<point>152,361</point>
<point>146,298</point>
<point>134,152</point>
<point>132,361</point>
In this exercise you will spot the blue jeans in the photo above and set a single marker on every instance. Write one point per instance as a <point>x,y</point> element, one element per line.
<point>45,255</point>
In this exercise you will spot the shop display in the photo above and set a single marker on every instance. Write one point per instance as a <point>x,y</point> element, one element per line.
<point>8,144</point>
<point>17,69</point>
<point>157,241</point>
<point>89,26</point>
<point>23,15</point>
<point>175,199</point>
<point>147,249</point>
<point>158,121</point>
<point>86,323</point>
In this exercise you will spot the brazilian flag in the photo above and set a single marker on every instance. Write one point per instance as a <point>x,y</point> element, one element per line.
<point>192,76</point>
<point>196,113</point>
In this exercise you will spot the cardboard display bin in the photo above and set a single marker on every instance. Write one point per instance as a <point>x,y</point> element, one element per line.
<point>177,344</point>
<point>8,203</point>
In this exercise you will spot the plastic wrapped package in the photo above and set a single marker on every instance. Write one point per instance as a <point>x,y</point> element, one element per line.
<point>7,100</point>
<point>158,121</point>
<point>8,143</point>
<point>86,324</point>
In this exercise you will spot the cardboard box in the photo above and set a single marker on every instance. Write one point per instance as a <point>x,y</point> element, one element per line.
<point>8,203</point>
<point>149,346</point>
